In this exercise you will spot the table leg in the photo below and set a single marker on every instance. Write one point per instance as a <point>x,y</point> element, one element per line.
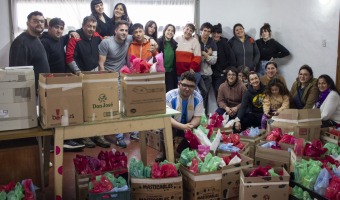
<point>58,162</point>
<point>41,161</point>
<point>168,140</point>
<point>142,142</point>
<point>46,146</point>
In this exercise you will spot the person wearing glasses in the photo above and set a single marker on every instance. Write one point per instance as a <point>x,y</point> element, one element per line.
<point>230,94</point>
<point>27,48</point>
<point>189,102</point>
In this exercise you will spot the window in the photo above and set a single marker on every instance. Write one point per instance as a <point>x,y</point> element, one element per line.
<point>176,12</point>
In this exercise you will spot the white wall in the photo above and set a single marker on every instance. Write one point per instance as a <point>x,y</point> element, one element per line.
<point>5,33</point>
<point>299,25</point>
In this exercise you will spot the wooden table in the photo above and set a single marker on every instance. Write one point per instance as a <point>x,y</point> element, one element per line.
<point>44,142</point>
<point>122,125</point>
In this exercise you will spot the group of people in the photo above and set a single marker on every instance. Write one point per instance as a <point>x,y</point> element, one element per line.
<point>241,71</point>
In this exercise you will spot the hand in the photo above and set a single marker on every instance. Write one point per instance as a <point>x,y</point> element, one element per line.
<point>209,51</point>
<point>187,127</point>
<point>191,70</point>
<point>78,73</point>
<point>275,113</point>
<point>74,35</point>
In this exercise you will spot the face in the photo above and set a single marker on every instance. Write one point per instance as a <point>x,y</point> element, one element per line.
<point>271,70</point>
<point>89,28</point>
<point>99,8</point>
<point>275,90</point>
<point>152,29</point>
<point>119,11</point>
<point>242,77</point>
<point>216,36</point>
<point>186,88</point>
<point>322,85</point>
<point>187,32</point>
<point>138,35</point>
<point>304,76</point>
<point>265,34</point>
<point>36,24</point>
<point>121,32</point>
<point>239,32</point>
<point>231,77</point>
<point>56,31</point>
<point>205,33</point>
<point>169,33</point>
<point>254,80</point>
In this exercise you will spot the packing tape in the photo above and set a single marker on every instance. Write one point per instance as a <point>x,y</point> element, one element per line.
<point>149,76</point>
<point>145,82</point>
<point>93,117</point>
<point>111,113</point>
<point>64,118</point>
<point>236,168</point>
<point>100,80</point>
<point>156,181</point>
<point>295,121</point>
<point>264,183</point>
<point>63,86</point>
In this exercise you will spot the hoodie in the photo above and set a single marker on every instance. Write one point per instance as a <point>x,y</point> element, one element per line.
<point>225,58</point>
<point>230,96</point>
<point>246,53</point>
<point>252,101</point>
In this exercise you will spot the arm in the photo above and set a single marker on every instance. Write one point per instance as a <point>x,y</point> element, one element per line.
<point>285,104</point>
<point>70,54</point>
<point>196,60</point>
<point>266,105</point>
<point>256,55</point>
<point>18,55</point>
<point>212,58</point>
<point>101,62</point>
<point>103,49</point>
<point>311,97</point>
<point>220,98</point>
<point>280,51</point>
<point>329,106</point>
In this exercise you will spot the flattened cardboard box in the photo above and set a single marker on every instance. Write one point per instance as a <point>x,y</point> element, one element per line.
<point>155,189</point>
<point>273,157</point>
<point>201,185</point>
<point>305,123</point>
<point>265,187</point>
<point>60,99</point>
<point>142,94</point>
<point>100,96</point>
<point>17,98</point>
<point>253,141</point>
<point>244,151</point>
<point>231,177</point>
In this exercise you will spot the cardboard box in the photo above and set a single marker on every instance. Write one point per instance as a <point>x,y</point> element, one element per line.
<point>244,151</point>
<point>100,96</point>
<point>17,98</point>
<point>163,188</point>
<point>142,94</point>
<point>154,138</point>
<point>294,158</point>
<point>327,136</point>
<point>264,188</point>
<point>82,182</point>
<point>60,99</point>
<point>253,141</point>
<point>201,185</point>
<point>273,157</point>
<point>231,177</point>
<point>305,123</point>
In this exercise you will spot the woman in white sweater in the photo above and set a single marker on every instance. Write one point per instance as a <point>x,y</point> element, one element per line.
<point>328,101</point>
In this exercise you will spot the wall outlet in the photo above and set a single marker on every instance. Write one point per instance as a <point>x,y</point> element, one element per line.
<point>324,43</point>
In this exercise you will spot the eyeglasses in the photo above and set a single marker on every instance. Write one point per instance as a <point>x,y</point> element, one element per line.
<point>188,86</point>
<point>36,21</point>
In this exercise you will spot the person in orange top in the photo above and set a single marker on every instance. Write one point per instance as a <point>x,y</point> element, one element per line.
<point>140,47</point>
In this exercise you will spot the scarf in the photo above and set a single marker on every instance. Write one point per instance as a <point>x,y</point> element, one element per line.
<point>322,96</point>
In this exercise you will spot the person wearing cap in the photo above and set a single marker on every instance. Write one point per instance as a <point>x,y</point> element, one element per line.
<point>104,24</point>
<point>225,58</point>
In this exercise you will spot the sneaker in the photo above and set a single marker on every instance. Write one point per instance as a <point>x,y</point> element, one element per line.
<point>72,145</point>
<point>134,136</point>
<point>101,141</point>
<point>121,143</point>
<point>88,142</point>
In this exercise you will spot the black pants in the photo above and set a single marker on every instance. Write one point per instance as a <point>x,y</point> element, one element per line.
<point>251,120</point>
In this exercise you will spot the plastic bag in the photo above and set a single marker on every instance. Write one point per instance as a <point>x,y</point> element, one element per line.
<point>192,139</point>
<point>187,156</point>
<point>274,135</point>
<point>333,189</point>
<point>202,151</point>
<point>322,182</point>
<point>202,137</point>
<point>288,139</point>
<point>169,170</point>
<point>194,166</point>
<point>156,171</point>
<point>260,171</point>
<point>299,147</point>
<point>136,168</point>
<point>160,63</point>
<point>100,184</point>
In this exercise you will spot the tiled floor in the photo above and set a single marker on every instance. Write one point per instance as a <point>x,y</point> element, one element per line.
<point>69,192</point>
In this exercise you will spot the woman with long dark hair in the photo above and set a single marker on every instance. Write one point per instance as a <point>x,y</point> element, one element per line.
<point>104,23</point>
<point>120,13</point>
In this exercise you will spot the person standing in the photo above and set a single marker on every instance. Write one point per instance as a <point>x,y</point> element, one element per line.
<point>269,48</point>
<point>168,46</point>
<point>209,57</point>
<point>27,48</point>
<point>104,24</point>
<point>188,53</point>
<point>244,48</point>
<point>82,54</point>
<point>225,58</point>
<point>151,29</point>
<point>120,13</point>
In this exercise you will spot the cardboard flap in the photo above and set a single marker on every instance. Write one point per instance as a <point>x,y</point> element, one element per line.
<point>217,175</point>
<point>246,162</point>
<point>275,180</point>
<point>156,180</point>
<point>299,116</point>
